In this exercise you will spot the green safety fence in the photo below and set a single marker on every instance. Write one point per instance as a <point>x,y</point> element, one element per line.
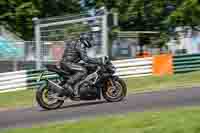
<point>186,63</point>
<point>14,80</point>
<point>33,75</point>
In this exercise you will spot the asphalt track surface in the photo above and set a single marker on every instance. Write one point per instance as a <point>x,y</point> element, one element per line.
<point>133,103</point>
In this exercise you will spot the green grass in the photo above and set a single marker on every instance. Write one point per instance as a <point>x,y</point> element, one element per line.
<point>135,85</point>
<point>17,99</point>
<point>182,120</point>
<point>152,83</point>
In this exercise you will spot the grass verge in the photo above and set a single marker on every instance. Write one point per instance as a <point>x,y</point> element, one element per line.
<point>152,83</point>
<point>182,120</point>
<point>17,99</point>
<point>135,85</point>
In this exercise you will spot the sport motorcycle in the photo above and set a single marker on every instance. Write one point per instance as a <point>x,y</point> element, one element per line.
<point>100,82</point>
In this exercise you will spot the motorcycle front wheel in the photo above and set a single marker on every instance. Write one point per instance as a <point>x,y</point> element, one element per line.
<point>44,99</point>
<point>114,90</point>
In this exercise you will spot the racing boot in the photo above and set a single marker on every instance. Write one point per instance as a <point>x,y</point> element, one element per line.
<point>68,90</point>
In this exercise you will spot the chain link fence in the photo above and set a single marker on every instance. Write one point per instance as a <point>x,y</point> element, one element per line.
<point>52,34</point>
<point>22,55</point>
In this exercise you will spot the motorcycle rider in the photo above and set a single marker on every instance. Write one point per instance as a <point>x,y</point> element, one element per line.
<point>74,52</point>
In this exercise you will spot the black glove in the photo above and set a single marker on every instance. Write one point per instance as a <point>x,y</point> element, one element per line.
<point>100,61</point>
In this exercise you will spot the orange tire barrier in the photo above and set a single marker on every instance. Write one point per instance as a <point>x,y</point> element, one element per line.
<point>162,64</point>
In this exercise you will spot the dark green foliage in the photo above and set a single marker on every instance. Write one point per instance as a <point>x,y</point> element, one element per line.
<point>155,14</point>
<point>145,15</point>
<point>17,14</point>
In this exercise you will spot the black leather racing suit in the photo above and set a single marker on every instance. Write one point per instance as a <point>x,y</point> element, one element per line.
<point>73,54</point>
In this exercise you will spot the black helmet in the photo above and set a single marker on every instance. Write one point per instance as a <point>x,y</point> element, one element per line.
<point>85,39</point>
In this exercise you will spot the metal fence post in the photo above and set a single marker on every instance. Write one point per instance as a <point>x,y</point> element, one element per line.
<point>15,65</point>
<point>105,34</point>
<point>38,42</point>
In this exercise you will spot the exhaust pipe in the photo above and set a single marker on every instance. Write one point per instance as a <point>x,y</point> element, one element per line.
<point>55,87</point>
<point>59,89</point>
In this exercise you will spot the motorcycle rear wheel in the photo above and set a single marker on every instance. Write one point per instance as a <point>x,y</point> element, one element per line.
<point>48,103</point>
<point>120,92</point>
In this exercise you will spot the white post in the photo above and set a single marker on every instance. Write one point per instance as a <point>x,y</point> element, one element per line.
<point>38,42</point>
<point>115,19</point>
<point>104,35</point>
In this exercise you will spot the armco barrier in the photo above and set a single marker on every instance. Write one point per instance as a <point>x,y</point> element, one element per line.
<point>186,63</point>
<point>18,80</point>
<point>158,65</point>
<point>13,81</point>
<point>134,67</point>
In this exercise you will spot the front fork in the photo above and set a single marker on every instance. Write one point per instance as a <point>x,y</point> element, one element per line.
<point>111,84</point>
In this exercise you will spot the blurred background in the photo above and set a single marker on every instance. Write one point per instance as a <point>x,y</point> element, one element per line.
<point>122,29</point>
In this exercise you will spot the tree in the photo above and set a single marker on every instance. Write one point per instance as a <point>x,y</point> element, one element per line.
<point>153,15</point>
<point>58,7</point>
<point>134,14</point>
<point>17,14</point>
<point>187,14</point>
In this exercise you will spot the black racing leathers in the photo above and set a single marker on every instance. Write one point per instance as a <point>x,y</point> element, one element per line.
<point>73,54</point>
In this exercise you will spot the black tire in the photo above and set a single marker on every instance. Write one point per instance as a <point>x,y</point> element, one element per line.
<point>118,98</point>
<point>40,99</point>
